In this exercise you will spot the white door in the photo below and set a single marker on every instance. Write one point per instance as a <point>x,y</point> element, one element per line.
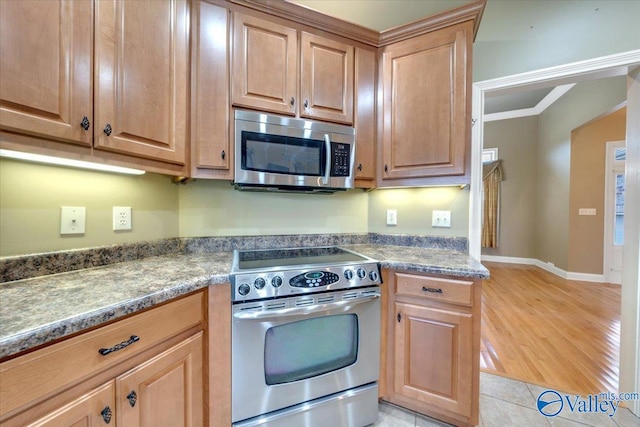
<point>614,211</point>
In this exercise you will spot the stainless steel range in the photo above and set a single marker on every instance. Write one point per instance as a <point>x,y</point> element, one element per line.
<point>305,338</point>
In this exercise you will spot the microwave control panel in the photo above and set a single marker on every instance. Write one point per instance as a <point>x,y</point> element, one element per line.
<point>340,159</point>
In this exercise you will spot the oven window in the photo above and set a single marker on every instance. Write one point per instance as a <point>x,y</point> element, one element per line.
<point>282,154</point>
<point>308,348</point>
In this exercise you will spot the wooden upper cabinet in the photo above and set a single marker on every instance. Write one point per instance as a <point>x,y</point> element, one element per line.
<point>141,78</point>
<point>264,65</point>
<point>268,67</point>
<point>45,68</point>
<point>326,79</point>
<point>365,117</point>
<point>211,154</point>
<point>426,106</point>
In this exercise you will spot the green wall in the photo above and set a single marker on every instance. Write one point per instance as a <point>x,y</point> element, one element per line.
<point>31,196</point>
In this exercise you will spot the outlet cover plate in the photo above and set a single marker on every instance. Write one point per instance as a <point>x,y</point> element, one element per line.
<point>121,218</point>
<point>392,217</point>
<point>441,219</point>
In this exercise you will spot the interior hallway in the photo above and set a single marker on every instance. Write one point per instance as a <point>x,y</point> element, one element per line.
<point>545,330</point>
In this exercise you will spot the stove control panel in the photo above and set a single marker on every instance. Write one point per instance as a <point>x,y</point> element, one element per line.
<point>272,284</point>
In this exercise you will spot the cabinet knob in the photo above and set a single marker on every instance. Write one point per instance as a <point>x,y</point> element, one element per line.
<point>293,101</point>
<point>106,413</point>
<point>85,123</point>
<point>223,154</point>
<point>306,103</point>
<point>132,398</point>
<point>107,129</point>
<point>360,167</point>
<point>386,169</point>
<point>399,317</point>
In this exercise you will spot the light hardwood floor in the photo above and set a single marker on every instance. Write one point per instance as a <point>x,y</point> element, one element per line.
<point>545,330</point>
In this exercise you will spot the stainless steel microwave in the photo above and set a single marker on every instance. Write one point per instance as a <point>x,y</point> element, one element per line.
<point>275,153</point>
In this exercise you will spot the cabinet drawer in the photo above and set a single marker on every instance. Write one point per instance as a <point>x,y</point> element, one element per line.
<point>436,289</point>
<point>38,374</point>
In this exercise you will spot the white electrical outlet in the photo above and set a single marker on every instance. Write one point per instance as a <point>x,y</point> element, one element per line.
<point>72,220</point>
<point>441,219</point>
<point>392,217</point>
<point>121,218</point>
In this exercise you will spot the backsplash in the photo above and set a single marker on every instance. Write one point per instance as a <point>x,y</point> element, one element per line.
<point>27,266</point>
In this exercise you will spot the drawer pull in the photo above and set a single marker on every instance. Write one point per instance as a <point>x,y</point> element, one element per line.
<point>123,344</point>
<point>106,415</point>
<point>132,398</point>
<point>432,290</point>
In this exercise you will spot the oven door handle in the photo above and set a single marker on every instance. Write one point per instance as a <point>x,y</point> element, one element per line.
<point>327,166</point>
<point>298,311</point>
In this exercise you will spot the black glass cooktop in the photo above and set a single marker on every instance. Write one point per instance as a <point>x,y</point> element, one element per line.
<point>273,258</point>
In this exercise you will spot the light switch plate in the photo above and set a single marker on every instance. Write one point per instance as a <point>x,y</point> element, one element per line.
<point>72,219</point>
<point>441,219</point>
<point>392,217</point>
<point>587,211</point>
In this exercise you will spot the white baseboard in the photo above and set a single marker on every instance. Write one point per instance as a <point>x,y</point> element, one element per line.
<point>584,277</point>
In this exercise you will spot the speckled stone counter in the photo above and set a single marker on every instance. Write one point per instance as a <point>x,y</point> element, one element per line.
<point>424,260</point>
<point>39,310</point>
<point>42,309</point>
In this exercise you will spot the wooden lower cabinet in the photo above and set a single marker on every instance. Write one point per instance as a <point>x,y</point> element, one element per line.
<point>431,360</point>
<point>90,409</point>
<point>154,380</point>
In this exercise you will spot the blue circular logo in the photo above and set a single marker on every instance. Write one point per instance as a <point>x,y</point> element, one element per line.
<point>550,403</point>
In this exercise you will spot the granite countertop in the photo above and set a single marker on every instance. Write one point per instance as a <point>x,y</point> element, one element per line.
<point>40,310</point>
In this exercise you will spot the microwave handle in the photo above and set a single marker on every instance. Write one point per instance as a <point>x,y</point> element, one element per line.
<point>327,169</point>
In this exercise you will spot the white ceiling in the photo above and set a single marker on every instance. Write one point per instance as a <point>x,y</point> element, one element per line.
<point>547,29</point>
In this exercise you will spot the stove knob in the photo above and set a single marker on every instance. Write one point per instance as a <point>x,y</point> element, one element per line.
<point>259,283</point>
<point>244,289</point>
<point>348,274</point>
<point>373,276</point>
<point>362,273</point>
<point>276,282</point>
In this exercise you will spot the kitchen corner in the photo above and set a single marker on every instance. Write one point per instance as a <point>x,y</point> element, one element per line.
<point>38,310</point>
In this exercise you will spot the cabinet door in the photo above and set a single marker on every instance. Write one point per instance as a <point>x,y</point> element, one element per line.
<point>141,63</point>
<point>45,63</point>
<point>365,118</point>
<point>264,65</point>
<point>425,105</point>
<point>326,80</point>
<point>433,357</point>
<point>166,391</point>
<point>93,409</point>
<point>210,151</point>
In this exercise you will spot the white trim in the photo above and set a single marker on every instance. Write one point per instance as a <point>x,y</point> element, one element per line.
<point>582,277</point>
<point>544,103</point>
<point>597,68</point>
<point>509,259</point>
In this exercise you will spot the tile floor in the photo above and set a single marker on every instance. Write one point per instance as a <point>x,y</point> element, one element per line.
<point>506,403</point>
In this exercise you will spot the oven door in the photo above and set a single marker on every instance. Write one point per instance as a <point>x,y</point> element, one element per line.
<point>292,350</point>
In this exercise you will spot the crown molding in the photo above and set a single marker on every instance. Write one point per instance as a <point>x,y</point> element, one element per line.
<point>294,12</point>
<point>472,11</point>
